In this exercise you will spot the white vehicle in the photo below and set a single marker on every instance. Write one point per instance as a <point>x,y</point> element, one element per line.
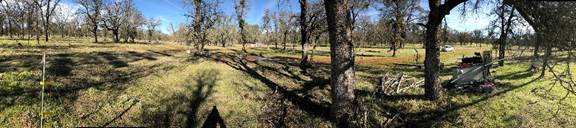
<point>448,48</point>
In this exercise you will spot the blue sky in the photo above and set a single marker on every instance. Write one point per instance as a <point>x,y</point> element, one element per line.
<point>172,11</point>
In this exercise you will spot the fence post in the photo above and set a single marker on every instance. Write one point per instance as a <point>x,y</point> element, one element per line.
<point>42,91</point>
<point>487,58</point>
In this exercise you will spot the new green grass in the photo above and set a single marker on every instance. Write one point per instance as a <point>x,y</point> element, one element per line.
<point>160,85</point>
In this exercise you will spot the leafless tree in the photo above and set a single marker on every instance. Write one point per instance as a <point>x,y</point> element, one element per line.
<point>241,8</point>
<point>505,21</point>
<point>64,19</point>
<point>267,26</point>
<point>92,10</point>
<point>47,10</point>
<point>317,25</point>
<point>310,21</point>
<point>477,37</point>
<point>114,18</point>
<point>225,28</point>
<point>205,15</point>
<point>283,22</point>
<point>133,20</point>
<point>357,7</point>
<point>13,13</point>
<point>151,25</point>
<point>401,13</point>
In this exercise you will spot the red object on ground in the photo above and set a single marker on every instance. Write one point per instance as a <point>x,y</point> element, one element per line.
<point>465,65</point>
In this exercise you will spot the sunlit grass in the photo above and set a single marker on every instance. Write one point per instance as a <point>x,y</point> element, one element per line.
<point>155,85</point>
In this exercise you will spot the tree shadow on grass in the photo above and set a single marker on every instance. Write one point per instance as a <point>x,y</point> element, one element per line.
<point>61,46</point>
<point>62,63</point>
<point>66,95</point>
<point>20,62</point>
<point>515,75</point>
<point>205,80</point>
<point>427,118</point>
<point>112,59</point>
<point>318,77</point>
<point>118,116</point>
<point>390,98</point>
<point>165,53</point>
<point>70,73</point>
<point>183,109</point>
<point>303,102</point>
<point>61,66</point>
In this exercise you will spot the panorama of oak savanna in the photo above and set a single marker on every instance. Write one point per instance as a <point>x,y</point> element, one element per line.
<point>287,63</point>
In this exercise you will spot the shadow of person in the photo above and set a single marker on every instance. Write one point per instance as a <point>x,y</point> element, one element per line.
<point>214,119</point>
<point>205,82</point>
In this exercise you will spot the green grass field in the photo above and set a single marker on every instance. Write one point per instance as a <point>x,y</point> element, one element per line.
<point>160,85</point>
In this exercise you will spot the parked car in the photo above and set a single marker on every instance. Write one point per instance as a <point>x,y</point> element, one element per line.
<point>448,48</point>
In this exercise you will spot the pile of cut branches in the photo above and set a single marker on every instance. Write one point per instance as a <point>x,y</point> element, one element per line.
<point>397,84</point>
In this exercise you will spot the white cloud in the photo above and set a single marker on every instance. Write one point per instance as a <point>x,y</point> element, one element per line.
<point>174,5</point>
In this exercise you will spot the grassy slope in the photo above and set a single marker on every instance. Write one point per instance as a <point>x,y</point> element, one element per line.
<point>164,87</point>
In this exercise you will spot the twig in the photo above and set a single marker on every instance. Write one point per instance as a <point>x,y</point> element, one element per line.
<point>399,82</point>
<point>390,120</point>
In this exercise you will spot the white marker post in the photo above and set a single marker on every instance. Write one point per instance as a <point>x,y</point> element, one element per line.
<point>42,91</point>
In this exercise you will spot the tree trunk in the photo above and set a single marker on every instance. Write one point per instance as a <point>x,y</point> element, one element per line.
<point>501,51</point>
<point>197,23</point>
<point>243,37</point>
<point>46,30</point>
<point>10,31</point>
<point>149,36</point>
<point>342,61</point>
<point>242,34</point>
<point>313,52</point>
<point>38,33</point>
<point>535,55</point>
<point>240,8</point>
<point>394,47</point>
<point>105,34</point>
<point>506,26</point>
<point>223,39</point>
<point>133,34</point>
<point>546,58</point>
<point>2,28</point>
<point>116,35</point>
<point>95,32</point>
<point>284,40</point>
<point>314,47</point>
<point>62,32</point>
<point>432,87</point>
<point>304,35</point>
